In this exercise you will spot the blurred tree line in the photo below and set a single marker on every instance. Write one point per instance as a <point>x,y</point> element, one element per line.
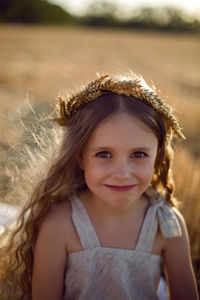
<point>99,14</point>
<point>33,12</point>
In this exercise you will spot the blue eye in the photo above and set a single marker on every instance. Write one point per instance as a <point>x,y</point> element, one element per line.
<point>103,154</point>
<point>139,155</point>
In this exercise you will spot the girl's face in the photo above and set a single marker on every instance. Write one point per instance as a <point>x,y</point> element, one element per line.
<point>118,160</point>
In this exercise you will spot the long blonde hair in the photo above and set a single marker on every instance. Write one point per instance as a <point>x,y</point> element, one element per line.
<point>65,178</point>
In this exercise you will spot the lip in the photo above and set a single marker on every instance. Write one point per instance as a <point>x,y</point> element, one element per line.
<point>120,187</point>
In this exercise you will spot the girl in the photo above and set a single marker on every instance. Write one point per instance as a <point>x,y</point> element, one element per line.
<point>103,220</point>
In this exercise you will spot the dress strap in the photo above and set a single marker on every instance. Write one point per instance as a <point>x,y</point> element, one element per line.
<point>83,224</point>
<point>160,214</point>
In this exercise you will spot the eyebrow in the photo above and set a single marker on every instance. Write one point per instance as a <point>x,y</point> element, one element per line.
<point>103,148</point>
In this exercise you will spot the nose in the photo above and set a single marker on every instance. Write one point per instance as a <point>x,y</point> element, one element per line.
<point>121,170</point>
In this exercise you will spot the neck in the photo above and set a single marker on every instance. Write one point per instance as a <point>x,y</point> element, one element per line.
<point>104,211</point>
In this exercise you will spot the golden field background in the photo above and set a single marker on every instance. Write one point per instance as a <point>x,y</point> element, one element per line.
<point>39,62</point>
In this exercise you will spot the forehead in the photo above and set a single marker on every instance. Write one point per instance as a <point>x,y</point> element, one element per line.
<point>122,129</point>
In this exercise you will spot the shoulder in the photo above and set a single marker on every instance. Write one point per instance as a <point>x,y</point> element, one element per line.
<point>178,247</point>
<point>178,263</point>
<point>50,253</point>
<point>56,215</point>
<point>56,220</point>
<point>181,222</point>
<point>179,215</point>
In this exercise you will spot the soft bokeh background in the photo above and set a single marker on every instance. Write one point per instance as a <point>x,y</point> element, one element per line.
<point>39,61</point>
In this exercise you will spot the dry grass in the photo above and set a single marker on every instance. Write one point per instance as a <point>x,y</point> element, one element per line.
<point>41,61</point>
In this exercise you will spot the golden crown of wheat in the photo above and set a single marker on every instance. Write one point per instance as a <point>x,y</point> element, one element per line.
<point>136,87</point>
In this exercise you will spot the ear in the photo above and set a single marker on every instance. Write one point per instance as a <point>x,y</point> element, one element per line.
<point>80,161</point>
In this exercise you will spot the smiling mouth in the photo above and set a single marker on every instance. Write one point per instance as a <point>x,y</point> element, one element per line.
<point>120,187</point>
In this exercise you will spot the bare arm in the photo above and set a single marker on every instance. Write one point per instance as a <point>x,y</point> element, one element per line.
<point>49,258</point>
<point>178,265</point>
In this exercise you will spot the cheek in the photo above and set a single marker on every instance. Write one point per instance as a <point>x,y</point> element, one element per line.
<point>145,171</point>
<point>95,171</point>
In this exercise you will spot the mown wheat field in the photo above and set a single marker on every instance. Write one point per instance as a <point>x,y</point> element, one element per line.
<point>37,63</point>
